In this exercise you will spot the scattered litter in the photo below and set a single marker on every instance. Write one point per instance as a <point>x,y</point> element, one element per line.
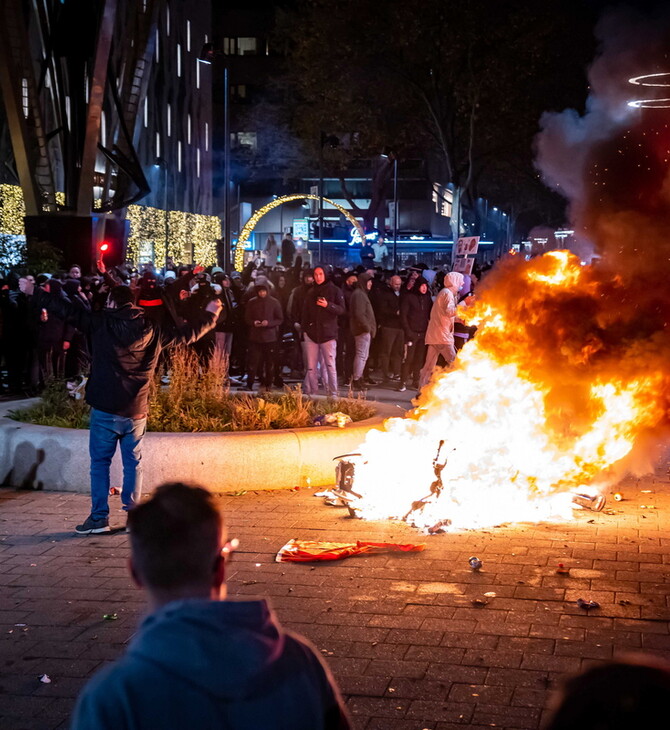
<point>562,570</point>
<point>475,563</point>
<point>114,490</point>
<point>645,491</point>
<point>647,506</point>
<point>325,493</point>
<point>300,551</point>
<point>110,616</point>
<point>237,494</point>
<point>490,594</point>
<point>249,582</point>
<point>617,496</point>
<point>338,419</point>
<point>586,605</point>
<point>45,679</point>
<point>258,565</point>
<point>391,689</point>
<point>479,602</point>
<point>296,488</point>
<point>20,624</point>
<point>624,602</point>
<point>590,522</point>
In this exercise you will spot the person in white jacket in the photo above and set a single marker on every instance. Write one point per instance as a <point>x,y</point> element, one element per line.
<point>440,332</point>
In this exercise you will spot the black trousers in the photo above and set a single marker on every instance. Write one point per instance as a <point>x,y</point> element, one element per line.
<point>414,359</point>
<point>261,363</point>
<point>390,350</point>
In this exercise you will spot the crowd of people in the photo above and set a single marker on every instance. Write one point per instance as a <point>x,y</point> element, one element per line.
<point>337,330</point>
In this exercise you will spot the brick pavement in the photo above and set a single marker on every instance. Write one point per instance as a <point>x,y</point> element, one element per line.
<point>399,631</point>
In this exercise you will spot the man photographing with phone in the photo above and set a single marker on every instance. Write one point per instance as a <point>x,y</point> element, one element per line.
<point>126,346</point>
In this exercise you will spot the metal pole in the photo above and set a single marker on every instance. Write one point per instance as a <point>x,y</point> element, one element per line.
<point>395,214</point>
<point>167,216</point>
<point>226,172</point>
<point>321,199</point>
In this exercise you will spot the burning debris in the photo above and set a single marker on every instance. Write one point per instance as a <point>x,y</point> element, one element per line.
<point>565,389</point>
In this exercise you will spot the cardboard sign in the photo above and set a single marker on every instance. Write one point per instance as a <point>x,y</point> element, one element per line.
<point>463,265</point>
<point>468,245</point>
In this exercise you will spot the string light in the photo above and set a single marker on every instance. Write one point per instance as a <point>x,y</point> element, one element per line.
<point>251,223</point>
<point>192,236</point>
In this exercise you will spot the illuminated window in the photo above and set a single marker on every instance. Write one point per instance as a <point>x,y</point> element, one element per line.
<point>197,74</point>
<point>178,59</point>
<point>158,145</point>
<point>167,19</point>
<point>179,156</point>
<point>188,35</point>
<point>244,139</point>
<point>189,127</point>
<point>103,128</point>
<point>24,97</point>
<point>67,110</point>
<point>240,46</point>
<point>146,111</point>
<point>197,162</point>
<point>206,137</point>
<point>157,44</point>
<point>169,120</point>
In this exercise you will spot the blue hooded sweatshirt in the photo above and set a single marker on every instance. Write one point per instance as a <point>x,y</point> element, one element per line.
<point>199,664</point>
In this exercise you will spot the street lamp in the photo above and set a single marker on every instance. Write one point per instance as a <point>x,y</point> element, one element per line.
<point>161,164</point>
<point>207,55</point>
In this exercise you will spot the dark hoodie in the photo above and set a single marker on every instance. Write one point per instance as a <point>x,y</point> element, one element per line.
<point>213,665</point>
<point>415,311</point>
<point>126,346</point>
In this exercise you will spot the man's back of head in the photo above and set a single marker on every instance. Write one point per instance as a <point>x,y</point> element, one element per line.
<point>176,539</point>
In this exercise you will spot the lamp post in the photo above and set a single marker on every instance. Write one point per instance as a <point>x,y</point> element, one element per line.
<point>162,165</point>
<point>207,55</point>
<point>395,214</point>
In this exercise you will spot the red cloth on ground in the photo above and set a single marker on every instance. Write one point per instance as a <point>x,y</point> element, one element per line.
<point>304,551</point>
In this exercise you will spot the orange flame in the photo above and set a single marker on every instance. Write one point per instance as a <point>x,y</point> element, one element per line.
<point>548,398</point>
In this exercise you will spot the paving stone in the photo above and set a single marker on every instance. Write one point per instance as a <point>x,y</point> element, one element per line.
<point>385,622</point>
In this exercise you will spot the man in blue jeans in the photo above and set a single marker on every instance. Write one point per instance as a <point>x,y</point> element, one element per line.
<point>126,346</point>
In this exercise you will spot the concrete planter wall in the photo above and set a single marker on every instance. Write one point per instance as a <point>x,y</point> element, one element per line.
<point>42,457</point>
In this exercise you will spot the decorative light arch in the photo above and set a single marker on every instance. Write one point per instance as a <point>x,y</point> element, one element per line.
<point>251,223</point>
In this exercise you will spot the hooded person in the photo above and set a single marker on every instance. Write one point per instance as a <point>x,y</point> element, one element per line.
<point>440,332</point>
<point>415,309</point>
<point>323,304</point>
<point>363,326</point>
<point>263,316</point>
<point>199,660</point>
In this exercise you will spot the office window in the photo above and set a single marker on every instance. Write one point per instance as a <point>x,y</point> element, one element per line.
<point>169,120</point>
<point>179,156</point>
<point>157,44</point>
<point>189,127</point>
<point>67,110</point>
<point>206,137</point>
<point>197,74</point>
<point>197,162</point>
<point>146,112</point>
<point>247,46</point>
<point>158,145</point>
<point>103,128</point>
<point>178,59</point>
<point>188,35</point>
<point>167,19</point>
<point>244,139</point>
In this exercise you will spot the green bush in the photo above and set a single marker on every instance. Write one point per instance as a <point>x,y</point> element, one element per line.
<point>198,400</point>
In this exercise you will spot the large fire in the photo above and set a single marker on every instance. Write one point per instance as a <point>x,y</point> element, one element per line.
<point>550,398</point>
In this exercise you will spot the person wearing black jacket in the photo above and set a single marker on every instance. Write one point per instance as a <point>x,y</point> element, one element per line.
<point>415,309</point>
<point>323,304</point>
<point>263,316</point>
<point>126,348</point>
<point>391,335</point>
